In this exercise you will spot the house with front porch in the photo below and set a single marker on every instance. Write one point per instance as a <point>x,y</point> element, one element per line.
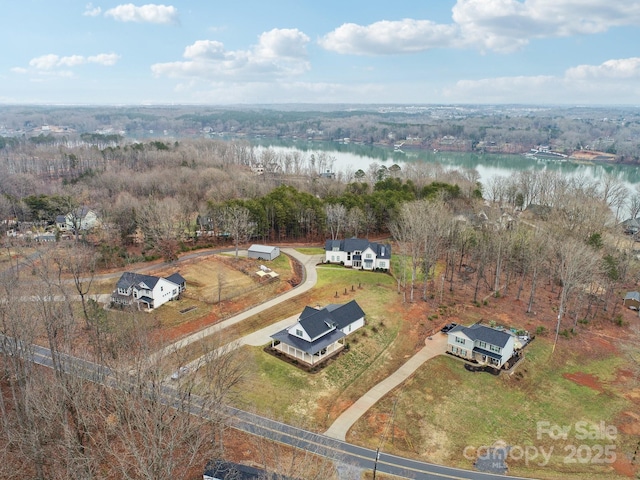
<point>481,343</point>
<point>358,253</point>
<point>319,332</point>
<point>147,291</point>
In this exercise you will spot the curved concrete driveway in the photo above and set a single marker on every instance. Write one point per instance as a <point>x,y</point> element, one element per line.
<point>310,278</point>
<point>434,346</point>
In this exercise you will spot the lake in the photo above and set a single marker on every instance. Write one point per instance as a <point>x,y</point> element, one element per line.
<point>346,156</point>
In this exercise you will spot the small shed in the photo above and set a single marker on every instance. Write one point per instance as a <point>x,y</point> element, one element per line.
<point>263,252</point>
<point>632,300</point>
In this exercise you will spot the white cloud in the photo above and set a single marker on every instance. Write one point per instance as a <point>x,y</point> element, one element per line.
<point>91,11</point>
<point>45,62</point>
<point>150,13</point>
<point>623,68</point>
<point>498,25</point>
<point>205,49</point>
<point>106,59</point>
<point>613,81</point>
<point>54,64</point>
<point>386,37</point>
<point>279,52</point>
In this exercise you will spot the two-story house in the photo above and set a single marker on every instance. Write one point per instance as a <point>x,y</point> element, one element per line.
<point>358,253</point>
<point>318,332</point>
<point>147,291</point>
<point>481,343</point>
<point>79,219</point>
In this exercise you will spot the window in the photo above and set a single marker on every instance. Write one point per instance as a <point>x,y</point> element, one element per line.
<point>493,348</point>
<point>336,249</point>
<point>298,332</point>
<point>482,344</point>
<point>368,255</point>
<point>382,265</point>
<point>460,340</point>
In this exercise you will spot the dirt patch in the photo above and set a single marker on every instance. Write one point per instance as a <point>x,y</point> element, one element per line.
<point>585,379</point>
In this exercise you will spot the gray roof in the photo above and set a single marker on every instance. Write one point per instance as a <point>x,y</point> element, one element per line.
<point>632,296</point>
<point>176,278</point>
<point>382,250</point>
<point>129,279</point>
<point>483,333</point>
<point>345,314</point>
<point>308,347</point>
<point>261,248</point>
<point>316,322</point>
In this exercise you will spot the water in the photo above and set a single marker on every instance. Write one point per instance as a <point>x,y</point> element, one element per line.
<point>351,157</point>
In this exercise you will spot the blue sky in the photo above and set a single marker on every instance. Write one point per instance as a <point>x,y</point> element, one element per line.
<point>584,52</point>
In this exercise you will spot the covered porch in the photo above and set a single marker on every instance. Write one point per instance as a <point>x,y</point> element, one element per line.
<point>310,353</point>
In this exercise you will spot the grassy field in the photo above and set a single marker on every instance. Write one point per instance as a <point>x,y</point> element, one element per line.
<point>443,410</point>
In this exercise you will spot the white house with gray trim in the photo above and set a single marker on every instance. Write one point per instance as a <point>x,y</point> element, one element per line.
<point>147,291</point>
<point>480,343</point>
<point>358,253</point>
<point>263,252</point>
<point>319,332</point>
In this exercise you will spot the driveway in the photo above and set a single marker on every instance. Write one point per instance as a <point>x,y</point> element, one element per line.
<point>434,346</point>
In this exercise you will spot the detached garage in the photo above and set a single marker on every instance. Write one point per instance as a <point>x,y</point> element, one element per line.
<point>263,252</point>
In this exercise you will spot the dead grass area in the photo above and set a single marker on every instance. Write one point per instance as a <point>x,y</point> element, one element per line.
<point>241,289</point>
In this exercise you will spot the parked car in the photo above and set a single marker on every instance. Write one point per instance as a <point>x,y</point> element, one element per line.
<point>448,326</point>
<point>181,372</point>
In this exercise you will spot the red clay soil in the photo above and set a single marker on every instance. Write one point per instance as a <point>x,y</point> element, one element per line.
<point>584,379</point>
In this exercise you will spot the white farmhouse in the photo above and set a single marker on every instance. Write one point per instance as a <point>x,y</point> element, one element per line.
<point>358,253</point>
<point>147,291</point>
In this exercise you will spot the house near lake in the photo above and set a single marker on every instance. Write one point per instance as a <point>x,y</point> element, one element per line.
<point>358,253</point>
<point>319,332</point>
<point>147,291</point>
<point>482,344</point>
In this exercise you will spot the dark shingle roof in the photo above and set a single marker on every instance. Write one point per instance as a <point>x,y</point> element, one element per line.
<point>316,322</point>
<point>308,347</point>
<point>483,333</point>
<point>359,244</point>
<point>345,314</point>
<point>176,278</point>
<point>129,279</point>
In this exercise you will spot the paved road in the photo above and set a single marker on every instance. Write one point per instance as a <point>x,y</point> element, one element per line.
<point>340,452</point>
<point>434,346</point>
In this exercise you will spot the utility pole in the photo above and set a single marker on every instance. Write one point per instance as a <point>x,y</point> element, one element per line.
<point>375,464</point>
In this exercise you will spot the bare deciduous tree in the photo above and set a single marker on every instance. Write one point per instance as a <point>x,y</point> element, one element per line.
<point>237,223</point>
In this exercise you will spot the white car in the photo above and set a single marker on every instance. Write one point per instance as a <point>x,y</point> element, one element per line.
<point>181,372</point>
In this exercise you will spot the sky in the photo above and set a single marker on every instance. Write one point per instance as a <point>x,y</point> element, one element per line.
<point>210,52</point>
